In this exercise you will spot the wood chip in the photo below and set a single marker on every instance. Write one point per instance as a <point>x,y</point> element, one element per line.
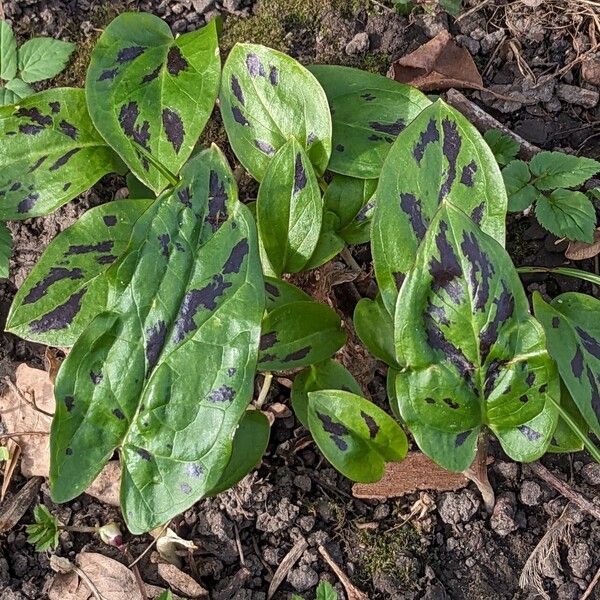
<point>583,250</point>
<point>439,64</point>
<point>415,472</point>
<point>12,510</point>
<point>286,565</point>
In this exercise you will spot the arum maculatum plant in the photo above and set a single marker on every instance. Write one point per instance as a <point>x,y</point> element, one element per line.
<point>173,299</point>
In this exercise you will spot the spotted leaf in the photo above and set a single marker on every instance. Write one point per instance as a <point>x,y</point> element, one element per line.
<point>375,328</point>
<point>326,375</point>
<point>472,353</point>
<point>166,372</point>
<point>279,292</point>
<point>355,435</point>
<point>149,92</point>
<point>298,334</point>
<point>50,153</point>
<point>289,210</point>
<point>66,288</point>
<point>249,444</point>
<point>564,438</point>
<point>439,158</point>
<point>368,113</point>
<point>266,99</point>
<point>572,325</point>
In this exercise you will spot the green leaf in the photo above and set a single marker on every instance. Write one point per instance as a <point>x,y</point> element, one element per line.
<point>4,454</point>
<point>473,354</point>
<point>329,244</point>
<point>325,591</point>
<point>352,202</point>
<point>564,438</point>
<point>43,534</point>
<point>278,293</point>
<point>521,193</point>
<point>50,152</point>
<point>368,112</point>
<point>572,325</point>
<point>151,93</point>
<point>354,435</point>
<point>267,98</point>
<point>375,328</point>
<point>7,97</point>
<point>66,288</point>
<point>299,334</point>
<point>439,157</point>
<point>8,52</point>
<point>504,147</point>
<point>249,444</point>
<point>452,451</point>
<point>19,88</point>
<point>166,595</point>
<point>289,210</point>
<point>42,58</point>
<point>189,285</point>
<point>451,6</point>
<point>5,250</point>
<point>530,441</point>
<point>567,214</point>
<point>137,190</point>
<point>326,375</point>
<point>555,169</point>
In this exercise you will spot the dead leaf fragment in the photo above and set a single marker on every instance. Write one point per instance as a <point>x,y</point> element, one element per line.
<point>415,472</point>
<point>18,416</point>
<point>181,582</point>
<point>170,546</point>
<point>439,64</point>
<point>583,250</point>
<point>12,510</point>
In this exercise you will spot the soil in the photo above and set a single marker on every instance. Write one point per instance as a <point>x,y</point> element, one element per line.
<point>455,550</point>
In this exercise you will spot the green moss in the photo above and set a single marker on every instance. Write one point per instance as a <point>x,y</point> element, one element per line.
<point>375,63</point>
<point>382,553</point>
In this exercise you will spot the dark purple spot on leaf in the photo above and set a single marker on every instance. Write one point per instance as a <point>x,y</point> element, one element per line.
<point>505,305</point>
<point>530,379</point>
<point>298,354</point>
<point>577,363</point>
<point>429,400</point>
<point>589,343</point>
<point>131,53</point>
<point>55,274</point>
<point>390,128</point>
<point>217,197</point>
<point>274,75</point>
<point>299,175</point>
<point>477,214</point>
<point>61,316</point>
<point>194,470</point>
<point>108,259</point>
<point>238,116</point>
<point>155,340</point>
<point>412,207</point>
<point>330,426</point>
<point>237,90</point>
<point>186,488</point>
<point>128,115</point>
<point>236,258</point>
<point>175,61</point>
<point>66,186</point>
<point>461,438</point>
<point>152,75</point>
<point>595,399</point>
<point>68,129</point>
<point>479,264</point>
<point>339,147</point>
<point>368,97</point>
<point>15,186</point>
<point>254,66</point>
<point>451,403</point>
<point>64,159</point>
<point>445,270</point>
<point>69,403</point>
<point>222,394</point>
<point>164,240</point>
<point>37,163</point>
<point>429,136</point>
<point>311,138</point>
<point>268,340</point>
<point>450,148</point>
<point>173,126</point>
<point>555,322</point>
<point>340,443</point>
<point>185,196</point>
<point>105,246</point>
<point>95,377</point>
<point>529,433</point>
<point>69,451</point>
<point>437,340</point>
<point>54,107</point>
<point>35,115</point>
<point>108,74</point>
<point>374,138</point>
<point>144,454</point>
<point>272,290</point>
<point>231,371</point>
<point>30,129</point>
<point>467,174</point>
<point>371,424</point>
<point>205,297</point>
<point>118,413</point>
<point>109,220</point>
<point>27,203</point>
<point>265,147</point>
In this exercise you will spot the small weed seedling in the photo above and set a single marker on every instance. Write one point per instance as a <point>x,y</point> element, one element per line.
<point>36,60</point>
<point>173,299</point>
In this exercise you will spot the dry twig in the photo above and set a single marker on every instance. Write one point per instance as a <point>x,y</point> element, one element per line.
<point>352,592</point>
<point>286,565</point>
